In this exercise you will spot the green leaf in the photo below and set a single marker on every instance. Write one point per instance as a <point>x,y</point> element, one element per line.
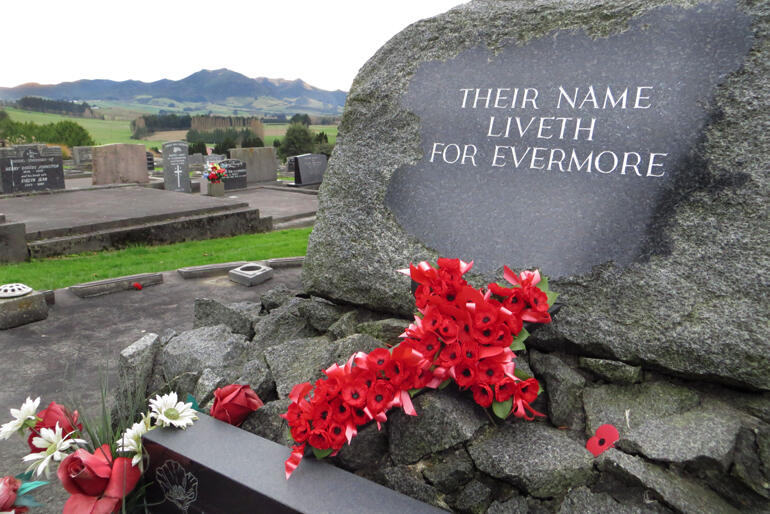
<point>25,476</point>
<point>26,501</point>
<point>502,409</point>
<point>320,454</point>
<point>521,374</point>
<point>195,406</point>
<point>413,392</point>
<point>445,383</point>
<point>551,297</point>
<point>29,486</point>
<point>543,284</point>
<point>518,342</point>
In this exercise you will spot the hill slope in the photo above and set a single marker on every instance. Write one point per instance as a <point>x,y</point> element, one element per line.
<point>199,91</point>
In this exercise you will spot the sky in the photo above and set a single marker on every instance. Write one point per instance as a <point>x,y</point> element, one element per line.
<point>324,43</point>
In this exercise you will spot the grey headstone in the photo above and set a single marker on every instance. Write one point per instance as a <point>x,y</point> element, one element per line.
<point>31,169</point>
<point>261,164</point>
<point>235,177</point>
<point>176,170</point>
<point>82,155</point>
<point>215,158</point>
<point>309,168</point>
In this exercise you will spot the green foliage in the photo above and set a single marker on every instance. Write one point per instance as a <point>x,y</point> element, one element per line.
<point>298,140</point>
<point>276,143</point>
<point>64,132</point>
<point>34,103</point>
<point>301,118</point>
<point>249,139</point>
<point>229,138</point>
<point>321,138</point>
<point>199,147</point>
<point>326,149</point>
<point>224,146</point>
<point>502,409</point>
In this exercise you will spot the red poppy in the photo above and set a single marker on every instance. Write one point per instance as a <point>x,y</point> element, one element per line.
<point>482,394</point>
<point>336,432</point>
<point>450,355</point>
<point>354,393</point>
<point>300,430</point>
<point>428,345</point>
<point>490,371</point>
<point>378,359</point>
<point>470,351</point>
<point>505,389</point>
<point>359,416</point>
<point>340,411</point>
<point>379,396</point>
<point>465,374</point>
<point>319,438</point>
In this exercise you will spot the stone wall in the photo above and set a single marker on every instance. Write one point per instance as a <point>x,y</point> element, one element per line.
<point>685,446</point>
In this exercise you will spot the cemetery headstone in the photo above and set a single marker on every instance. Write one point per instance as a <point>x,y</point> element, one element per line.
<point>214,158</point>
<point>261,163</point>
<point>119,164</point>
<point>150,161</point>
<point>31,168</point>
<point>235,177</point>
<point>618,151</point>
<point>82,155</point>
<point>309,168</point>
<point>195,161</point>
<point>176,171</point>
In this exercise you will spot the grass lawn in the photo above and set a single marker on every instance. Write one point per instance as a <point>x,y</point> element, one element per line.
<point>65,271</point>
<point>102,131</point>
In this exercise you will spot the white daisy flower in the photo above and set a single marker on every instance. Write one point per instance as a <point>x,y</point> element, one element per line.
<point>27,412</point>
<point>54,445</point>
<point>168,411</point>
<point>131,440</point>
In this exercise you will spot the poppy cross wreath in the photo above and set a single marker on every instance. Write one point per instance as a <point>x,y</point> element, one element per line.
<point>460,333</point>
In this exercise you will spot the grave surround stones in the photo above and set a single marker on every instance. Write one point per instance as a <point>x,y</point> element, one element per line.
<point>176,171</point>
<point>309,168</point>
<point>31,168</point>
<point>236,174</point>
<point>82,155</point>
<point>424,149</point>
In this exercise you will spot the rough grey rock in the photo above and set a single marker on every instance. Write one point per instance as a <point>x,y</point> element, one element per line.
<point>239,317</point>
<point>644,402</point>
<point>581,500</point>
<point>345,326</point>
<point>565,390</point>
<point>266,422</point>
<point>474,498</point>
<point>755,403</point>
<point>681,493</point>
<point>356,343</point>
<point>514,505</point>
<point>181,362</point>
<point>257,374</point>
<point>320,313</point>
<point>449,471</point>
<point>752,460</point>
<point>534,457</point>
<point>409,482</point>
<point>613,371</point>
<point>167,335</point>
<point>668,312</point>
<point>386,330</point>
<point>208,382</point>
<point>301,360</point>
<point>700,434</point>
<point>135,365</point>
<point>277,296</point>
<point>444,419</point>
<point>282,324</point>
<point>366,449</point>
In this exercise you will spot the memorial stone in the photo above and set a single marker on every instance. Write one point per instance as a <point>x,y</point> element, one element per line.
<point>176,171</point>
<point>31,168</point>
<point>195,161</point>
<point>620,151</point>
<point>214,158</point>
<point>261,163</point>
<point>309,168</point>
<point>82,155</point>
<point>235,176</point>
<point>119,164</point>
<point>150,161</point>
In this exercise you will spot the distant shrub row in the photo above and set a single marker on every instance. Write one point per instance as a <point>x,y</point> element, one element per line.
<point>66,133</point>
<point>149,123</point>
<point>35,103</point>
<point>225,139</point>
<point>299,139</point>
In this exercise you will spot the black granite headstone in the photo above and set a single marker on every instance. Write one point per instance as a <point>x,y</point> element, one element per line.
<point>213,467</point>
<point>29,169</point>
<point>150,161</point>
<point>176,171</point>
<point>309,168</point>
<point>236,175</point>
<point>567,151</point>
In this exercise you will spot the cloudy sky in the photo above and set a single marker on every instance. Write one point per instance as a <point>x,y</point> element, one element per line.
<point>322,42</point>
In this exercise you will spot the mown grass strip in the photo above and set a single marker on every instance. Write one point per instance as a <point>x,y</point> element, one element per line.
<point>65,271</point>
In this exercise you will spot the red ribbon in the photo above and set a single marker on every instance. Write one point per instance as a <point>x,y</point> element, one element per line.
<point>294,459</point>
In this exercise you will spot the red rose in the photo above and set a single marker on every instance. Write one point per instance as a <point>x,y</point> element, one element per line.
<point>9,487</point>
<point>49,417</point>
<point>233,403</point>
<point>96,482</point>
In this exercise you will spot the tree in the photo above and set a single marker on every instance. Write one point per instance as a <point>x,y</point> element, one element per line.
<point>298,140</point>
<point>300,118</point>
<point>197,147</point>
<point>223,147</point>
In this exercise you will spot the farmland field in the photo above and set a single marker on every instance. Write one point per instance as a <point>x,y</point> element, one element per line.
<point>277,130</point>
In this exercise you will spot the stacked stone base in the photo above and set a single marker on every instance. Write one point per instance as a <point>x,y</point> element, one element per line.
<point>690,447</point>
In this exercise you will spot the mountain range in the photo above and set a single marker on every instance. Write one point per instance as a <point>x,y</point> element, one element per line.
<point>203,90</point>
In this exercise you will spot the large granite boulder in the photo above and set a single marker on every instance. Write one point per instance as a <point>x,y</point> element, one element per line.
<point>690,300</point>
